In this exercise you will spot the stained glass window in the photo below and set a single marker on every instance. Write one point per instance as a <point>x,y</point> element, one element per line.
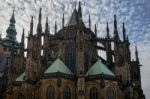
<point>70,56</point>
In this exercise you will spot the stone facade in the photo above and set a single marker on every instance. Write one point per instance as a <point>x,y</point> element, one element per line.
<point>85,74</point>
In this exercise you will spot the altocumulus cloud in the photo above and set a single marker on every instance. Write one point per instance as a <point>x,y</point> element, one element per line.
<point>136,16</point>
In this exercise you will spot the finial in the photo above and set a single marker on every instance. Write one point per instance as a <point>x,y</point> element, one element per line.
<point>22,39</point>
<point>89,22</point>
<point>39,27</point>
<point>124,32</point>
<point>55,27</point>
<point>80,10</point>
<point>12,20</point>
<point>116,35</point>
<point>31,26</point>
<point>40,15</point>
<point>63,21</point>
<point>46,26</point>
<point>75,4</point>
<point>136,54</point>
<point>107,28</point>
<point>95,30</point>
<point>115,22</point>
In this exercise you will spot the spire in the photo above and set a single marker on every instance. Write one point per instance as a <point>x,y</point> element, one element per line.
<point>31,26</point>
<point>89,22</point>
<point>55,27</point>
<point>22,38</point>
<point>95,30</point>
<point>11,31</point>
<point>107,28</point>
<point>116,36</point>
<point>46,26</point>
<point>63,21</point>
<point>136,54</point>
<point>127,40</point>
<point>39,28</point>
<point>115,22</point>
<point>79,11</point>
<point>12,20</point>
<point>124,32</point>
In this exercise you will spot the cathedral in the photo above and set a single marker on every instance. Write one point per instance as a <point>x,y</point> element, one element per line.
<point>67,65</point>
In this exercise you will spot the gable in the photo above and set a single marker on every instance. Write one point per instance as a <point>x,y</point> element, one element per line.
<point>58,66</point>
<point>99,68</point>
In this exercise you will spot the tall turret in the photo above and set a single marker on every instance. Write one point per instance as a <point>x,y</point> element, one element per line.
<point>11,31</point>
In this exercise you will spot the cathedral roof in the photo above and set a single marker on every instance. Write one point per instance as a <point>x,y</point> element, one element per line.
<point>73,19</point>
<point>99,68</point>
<point>21,77</point>
<point>58,66</point>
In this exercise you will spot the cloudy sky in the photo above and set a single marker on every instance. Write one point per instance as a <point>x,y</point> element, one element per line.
<point>135,14</point>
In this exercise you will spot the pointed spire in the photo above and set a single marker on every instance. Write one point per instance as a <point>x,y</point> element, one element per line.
<point>63,21</point>
<point>107,29</point>
<point>95,30</point>
<point>75,4</point>
<point>12,20</point>
<point>46,26</point>
<point>55,27</point>
<point>136,54</point>
<point>116,36</point>
<point>22,38</point>
<point>39,28</point>
<point>11,31</point>
<point>89,22</point>
<point>124,32</point>
<point>40,15</point>
<point>115,22</point>
<point>31,26</point>
<point>127,39</point>
<point>79,11</point>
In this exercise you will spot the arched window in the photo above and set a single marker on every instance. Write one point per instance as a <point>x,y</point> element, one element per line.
<point>110,93</point>
<point>93,93</point>
<point>50,92</point>
<point>86,59</point>
<point>70,58</point>
<point>66,93</point>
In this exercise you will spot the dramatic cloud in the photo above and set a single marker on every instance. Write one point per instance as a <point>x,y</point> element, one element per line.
<point>135,14</point>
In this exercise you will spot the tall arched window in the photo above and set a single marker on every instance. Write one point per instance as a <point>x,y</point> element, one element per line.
<point>50,92</point>
<point>66,93</point>
<point>93,93</point>
<point>70,58</point>
<point>110,93</point>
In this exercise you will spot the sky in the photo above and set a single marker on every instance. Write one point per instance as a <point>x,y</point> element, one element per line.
<point>135,14</point>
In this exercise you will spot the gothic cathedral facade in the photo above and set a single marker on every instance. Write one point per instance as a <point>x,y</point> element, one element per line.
<point>67,65</point>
